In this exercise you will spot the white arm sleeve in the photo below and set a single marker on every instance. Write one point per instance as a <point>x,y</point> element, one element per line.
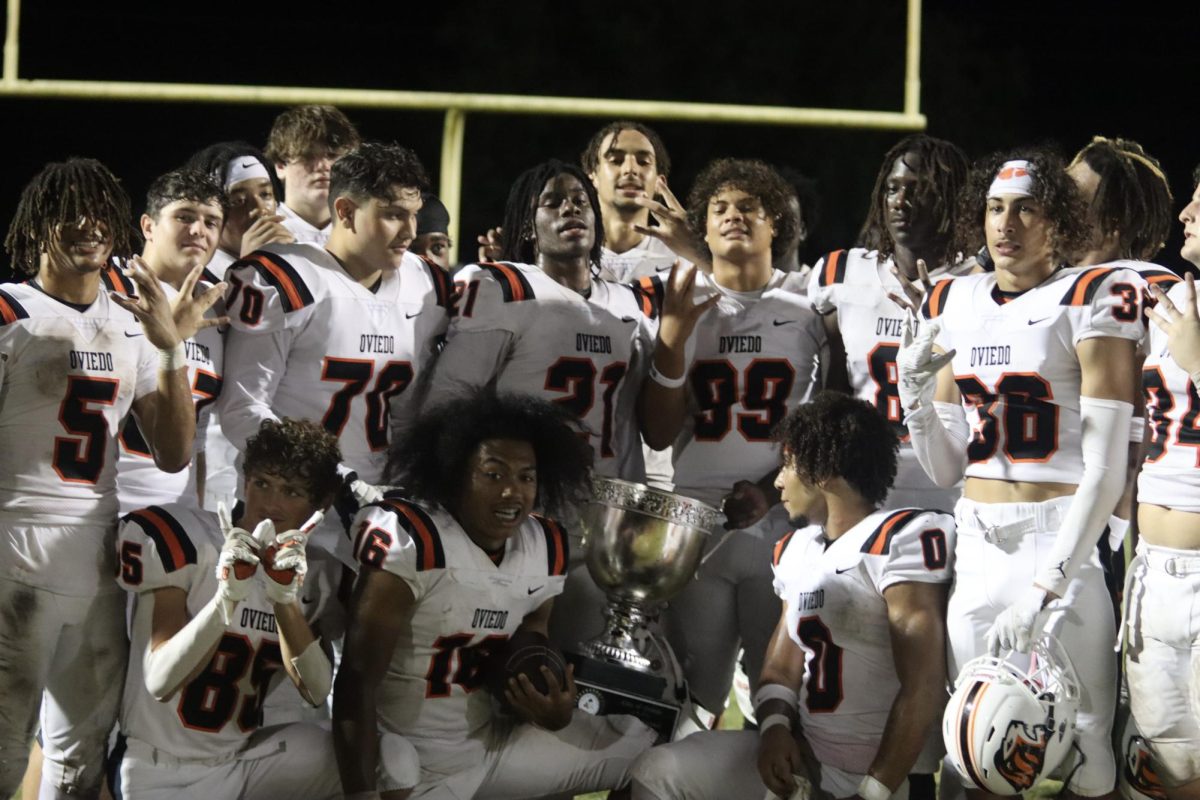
<point>939,435</point>
<point>167,666</point>
<point>1104,439</point>
<point>254,365</point>
<point>315,671</point>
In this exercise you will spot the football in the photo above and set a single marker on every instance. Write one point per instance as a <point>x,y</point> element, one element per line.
<point>525,653</point>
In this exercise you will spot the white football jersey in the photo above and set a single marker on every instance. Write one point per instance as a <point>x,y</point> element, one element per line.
<point>648,257</point>
<point>1016,367</point>
<point>854,284</point>
<point>307,341</point>
<point>1170,475</point>
<point>751,359</point>
<point>433,692</point>
<point>68,378</point>
<point>837,615</point>
<point>587,355</point>
<point>304,231</point>
<point>213,714</point>
<point>140,482</point>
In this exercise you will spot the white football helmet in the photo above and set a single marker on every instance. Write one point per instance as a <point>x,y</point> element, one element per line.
<point>1006,728</point>
<point>1137,776</point>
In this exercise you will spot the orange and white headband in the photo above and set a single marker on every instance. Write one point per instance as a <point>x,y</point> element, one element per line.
<point>1013,178</point>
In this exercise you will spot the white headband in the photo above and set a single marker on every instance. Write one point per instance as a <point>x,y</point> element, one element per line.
<point>244,168</point>
<point>1014,177</point>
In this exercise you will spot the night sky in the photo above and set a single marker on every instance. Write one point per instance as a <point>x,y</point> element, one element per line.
<point>994,75</point>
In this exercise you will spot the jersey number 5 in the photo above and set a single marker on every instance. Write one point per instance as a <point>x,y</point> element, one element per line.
<point>79,457</point>
<point>209,700</point>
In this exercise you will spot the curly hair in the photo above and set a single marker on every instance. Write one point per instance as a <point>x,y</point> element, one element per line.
<point>296,448</point>
<point>430,459</point>
<point>304,131</point>
<point>941,169</point>
<point>839,436</point>
<point>61,194</point>
<point>184,184</point>
<point>589,159</point>
<point>214,160</point>
<point>520,238</point>
<point>372,169</point>
<point>1053,189</point>
<point>753,177</point>
<point>1133,198</point>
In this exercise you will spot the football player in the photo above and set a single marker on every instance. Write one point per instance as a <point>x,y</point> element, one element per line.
<point>433,225</point>
<point>215,616</point>
<point>727,368</point>
<point>855,674</point>
<point>185,211</point>
<point>454,566</point>
<point>1160,662</point>
<point>1030,399</point>
<point>911,219</point>
<point>74,361</point>
<point>303,144</point>
<point>628,164</point>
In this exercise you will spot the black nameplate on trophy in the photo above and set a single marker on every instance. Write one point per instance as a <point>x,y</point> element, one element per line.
<point>610,689</point>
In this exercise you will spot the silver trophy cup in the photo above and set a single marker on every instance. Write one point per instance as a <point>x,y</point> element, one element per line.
<point>643,546</point>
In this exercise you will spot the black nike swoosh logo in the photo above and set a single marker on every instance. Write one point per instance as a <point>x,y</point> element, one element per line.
<point>535,591</point>
<point>1036,321</point>
<point>628,319</point>
<point>847,569</point>
<point>133,335</point>
<point>410,316</point>
<point>779,322</point>
<point>247,165</point>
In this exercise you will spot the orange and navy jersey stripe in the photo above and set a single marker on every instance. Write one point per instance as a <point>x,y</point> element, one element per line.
<point>175,549</point>
<point>208,276</point>
<point>1160,277</point>
<point>424,533</point>
<point>557,550</point>
<point>834,269</point>
<point>10,309</point>
<point>442,288</point>
<point>879,543</point>
<point>780,546</point>
<point>935,303</point>
<point>1083,288</point>
<point>293,292</point>
<point>513,284</point>
<point>650,292</point>
<point>116,281</point>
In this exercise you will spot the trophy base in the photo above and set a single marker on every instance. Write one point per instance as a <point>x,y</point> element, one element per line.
<point>606,688</point>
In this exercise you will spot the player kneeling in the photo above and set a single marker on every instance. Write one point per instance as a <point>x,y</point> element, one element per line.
<point>216,615</point>
<point>450,572</point>
<point>855,675</point>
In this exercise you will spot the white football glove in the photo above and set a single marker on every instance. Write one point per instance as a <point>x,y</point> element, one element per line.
<point>285,563</point>
<point>1019,625</point>
<point>237,563</point>
<point>365,493</point>
<point>917,366</point>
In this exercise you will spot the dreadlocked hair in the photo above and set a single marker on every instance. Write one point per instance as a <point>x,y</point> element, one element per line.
<point>430,458</point>
<point>214,160</point>
<point>589,159</point>
<point>1053,190</point>
<point>941,169</point>
<point>520,237</point>
<point>304,132</point>
<point>63,193</point>
<point>839,436</point>
<point>296,448</point>
<point>1133,198</point>
<point>184,184</point>
<point>753,177</point>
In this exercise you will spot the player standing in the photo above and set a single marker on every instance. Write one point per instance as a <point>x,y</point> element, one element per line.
<point>726,371</point>
<point>216,616</point>
<point>855,672</point>
<point>74,361</point>
<point>458,564</point>
<point>1031,401</point>
<point>911,219</point>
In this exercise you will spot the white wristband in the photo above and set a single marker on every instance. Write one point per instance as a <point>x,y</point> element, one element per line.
<point>776,691</point>
<point>1137,429</point>
<point>872,788</point>
<point>172,359</point>
<point>774,720</point>
<point>663,380</point>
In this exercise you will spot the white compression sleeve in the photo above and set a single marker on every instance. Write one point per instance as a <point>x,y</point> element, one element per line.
<point>1105,443</point>
<point>939,436</point>
<point>315,671</point>
<point>167,666</point>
